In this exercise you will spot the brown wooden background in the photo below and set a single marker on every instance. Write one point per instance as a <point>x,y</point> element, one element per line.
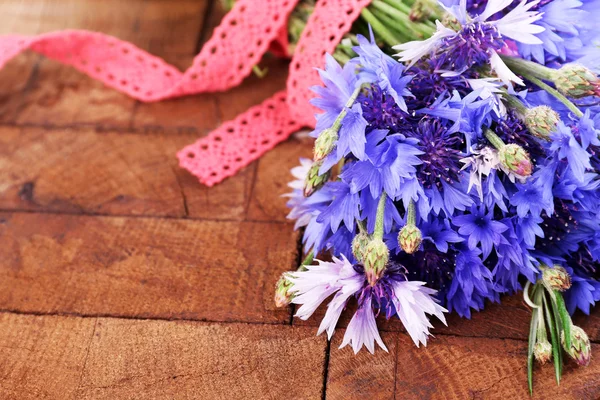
<point>123,278</point>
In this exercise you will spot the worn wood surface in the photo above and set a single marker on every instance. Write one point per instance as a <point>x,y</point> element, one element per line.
<point>123,278</point>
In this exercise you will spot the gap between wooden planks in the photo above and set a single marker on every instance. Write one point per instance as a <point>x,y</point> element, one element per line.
<point>71,146</point>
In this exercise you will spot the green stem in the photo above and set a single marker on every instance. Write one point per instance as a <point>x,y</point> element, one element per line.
<point>572,107</point>
<point>378,232</point>
<point>337,124</point>
<point>418,30</point>
<point>530,68</point>
<point>388,37</point>
<point>361,226</point>
<point>411,218</point>
<point>515,103</point>
<point>398,5</point>
<point>341,57</point>
<point>494,139</point>
<point>307,261</point>
<point>392,24</point>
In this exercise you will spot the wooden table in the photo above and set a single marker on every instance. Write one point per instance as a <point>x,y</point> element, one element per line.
<point>121,277</point>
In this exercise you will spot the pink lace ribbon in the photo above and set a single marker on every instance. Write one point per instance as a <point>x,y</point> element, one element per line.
<point>237,44</point>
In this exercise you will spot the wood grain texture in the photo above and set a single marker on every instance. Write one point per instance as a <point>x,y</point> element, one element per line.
<point>451,367</point>
<point>151,268</point>
<point>81,170</point>
<point>87,358</point>
<point>362,375</point>
<point>57,95</point>
<point>42,357</point>
<point>483,368</point>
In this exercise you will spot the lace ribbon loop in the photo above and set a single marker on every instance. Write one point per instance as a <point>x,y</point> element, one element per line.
<point>236,45</point>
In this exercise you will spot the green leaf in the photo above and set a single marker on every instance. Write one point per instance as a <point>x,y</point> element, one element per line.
<point>565,319</point>
<point>532,339</point>
<point>556,350</point>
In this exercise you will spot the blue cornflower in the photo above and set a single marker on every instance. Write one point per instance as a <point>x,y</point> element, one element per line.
<point>441,157</point>
<point>588,133</point>
<point>439,232</point>
<point>381,111</point>
<point>565,145</point>
<point>378,68</point>
<point>513,259</point>
<point>584,292</point>
<point>339,84</point>
<point>469,114</point>
<point>352,134</point>
<point>472,46</point>
<point>472,284</point>
<point>535,195</point>
<point>391,159</point>
<point>528,229</point>
<point>560,19</point>
<point>480,229</point>
<point>344,207</point>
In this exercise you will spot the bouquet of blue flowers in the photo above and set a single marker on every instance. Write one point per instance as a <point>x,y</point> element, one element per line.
<point>451,170</point>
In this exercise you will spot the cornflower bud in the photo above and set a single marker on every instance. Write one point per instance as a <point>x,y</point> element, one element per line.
<point>314,181</point>
<point>410,238</point>
<point>325,143</point>
<point>359,246</point>
<point>576,81</point>
<point>283,290</point>
<point>376,256</point>
<point>515,159</point>
<point>580,350</point>
<point>557,278</point>
<point>542,351</point>
<point>541,121</point>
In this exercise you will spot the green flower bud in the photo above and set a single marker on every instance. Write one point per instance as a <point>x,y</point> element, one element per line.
<point>581,349</point>
<point>515,159</point>
<point>410,238</point>
<point>557,278</point>
<point>283,291</point>
<point>314,181</point>
<point>541,121</point>
<point>325,143</point>
<point>542,351</point>
<point>359,246</point>
<point>576,81</point>
<point>376,256</point>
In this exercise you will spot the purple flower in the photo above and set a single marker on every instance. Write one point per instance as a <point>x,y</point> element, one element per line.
<point>381,69</point>
<point>392,294</point>
<point>339,83</point>
<point>391,159</point>
<point>566,146</point>
<point>480,229</point>
<point>471,285</point>
<point>469,114</point>
<point>352,134</point>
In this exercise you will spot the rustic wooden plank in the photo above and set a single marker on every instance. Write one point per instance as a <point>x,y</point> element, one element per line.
<point>273,175</point>
<point>362,375</point>
<point>139,267</point>
<point>451,367</point>
<point>42,357</point>
<point>59,95</point>
<point>140,359</point>
<point>87,171</point>
<point>483,368</point>
<point>105,358</point>
<point>90,172</point>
